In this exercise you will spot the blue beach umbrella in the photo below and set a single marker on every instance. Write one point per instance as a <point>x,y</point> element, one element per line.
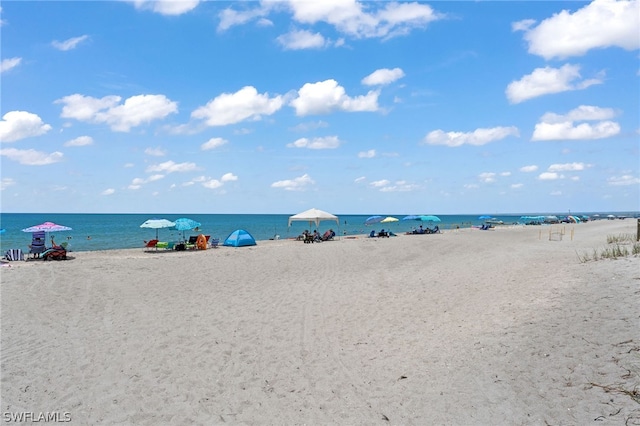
<point>411,217</point>
<point>483,217</point>
<point>185,224</point>
<point>429,218</point>
<point>373,219</point>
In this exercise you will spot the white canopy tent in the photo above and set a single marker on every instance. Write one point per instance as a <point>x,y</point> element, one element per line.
<point>313,216</point>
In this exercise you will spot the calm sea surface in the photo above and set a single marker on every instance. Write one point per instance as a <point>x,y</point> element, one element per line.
<point>116,231</point>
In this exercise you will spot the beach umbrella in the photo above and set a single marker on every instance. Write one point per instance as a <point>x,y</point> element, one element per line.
<point>185,224</point>
<point>46,227</point>
<point>483,217</point>
<point>411,217</point>
<point>389,219</point>
<point>429,218</point>
<point>157,224</point>
<point>373,219</point>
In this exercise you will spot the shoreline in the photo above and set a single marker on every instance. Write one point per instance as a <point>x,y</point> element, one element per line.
<point>542,230</point>
<point>123,231</point>
<point>467,326</point>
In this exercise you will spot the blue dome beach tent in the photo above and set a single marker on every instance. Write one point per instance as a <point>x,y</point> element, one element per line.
<point>239,238</point>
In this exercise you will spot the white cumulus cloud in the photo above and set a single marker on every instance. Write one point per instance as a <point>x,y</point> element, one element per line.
<point>487,177</point>
<point>16,125</point>
<point>171,167</point>
<point>477,137</point>
<point>231,108</point>
<point>229,177</point>
<point>80,141</point>
<point>529,169</point>
<point>213,143</point>
<point>385,185</point>
<point>568,167</point>
<point>216,183</point>
<point>9,63</point>
<point>31,157</point>
<point>573,125</point>
<point>327,96</point>
<point>296,184</point>
<point>599,24</point>
<point>327,142</point>
<point>352,18</point>
<point>135,110</point>
<point>383,76</point>
<point>548,80</point>
<point>623,180</point>
<point>550,176</point>
<point>301,39</point>
<point>166,7</point>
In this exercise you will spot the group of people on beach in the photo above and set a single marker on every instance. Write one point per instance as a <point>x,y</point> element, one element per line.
<point>422,230</point>
<point>312,237</point>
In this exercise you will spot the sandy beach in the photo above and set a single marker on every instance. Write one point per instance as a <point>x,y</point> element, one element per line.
<point>467,327</point>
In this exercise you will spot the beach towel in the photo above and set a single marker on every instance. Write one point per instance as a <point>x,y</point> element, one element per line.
<point>14,254</point>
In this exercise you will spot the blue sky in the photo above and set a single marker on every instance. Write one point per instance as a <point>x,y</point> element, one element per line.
<point>350,107</point>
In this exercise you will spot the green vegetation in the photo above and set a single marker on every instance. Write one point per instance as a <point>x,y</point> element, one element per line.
<point>617,246</point>
<point>621,238</point>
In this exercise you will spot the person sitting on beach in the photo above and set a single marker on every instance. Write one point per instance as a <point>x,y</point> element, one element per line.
<point>308,237</point>
<point>328,235</point>
<point>37,246</point>
<point>304,236</point>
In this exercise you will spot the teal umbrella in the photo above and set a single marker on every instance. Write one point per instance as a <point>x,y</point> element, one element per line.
<point>157,224</point>
<point>429,218</point>
<point>185,224</point>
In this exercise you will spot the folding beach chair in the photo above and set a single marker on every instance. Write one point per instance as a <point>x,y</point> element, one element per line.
<point>14,254</point>
<point>37,245</point>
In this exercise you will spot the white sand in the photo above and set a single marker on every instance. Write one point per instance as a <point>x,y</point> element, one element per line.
<point>467,327</point>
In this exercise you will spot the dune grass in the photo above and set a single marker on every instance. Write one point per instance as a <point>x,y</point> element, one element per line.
<point>617,247</point>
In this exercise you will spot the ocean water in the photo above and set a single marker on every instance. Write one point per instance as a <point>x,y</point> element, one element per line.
<point>116,231</point>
